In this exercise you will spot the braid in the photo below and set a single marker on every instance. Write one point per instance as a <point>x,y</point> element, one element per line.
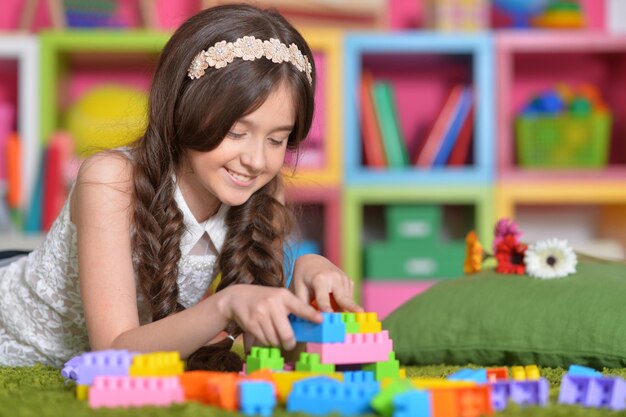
<point>252,251</point>
<point>158,229</point>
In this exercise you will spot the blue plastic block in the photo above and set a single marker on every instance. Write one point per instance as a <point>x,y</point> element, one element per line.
<point>331,330</point>
<point>256,397</point>
<point>359,377</point>
<point>84,368</point>
<point>475,375</point>
<point>579,370</point>
<point>321,396</point>
<point>414,403</point>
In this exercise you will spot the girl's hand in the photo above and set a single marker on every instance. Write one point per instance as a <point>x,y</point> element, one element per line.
<point>315,277</point>
<point>263,312</point>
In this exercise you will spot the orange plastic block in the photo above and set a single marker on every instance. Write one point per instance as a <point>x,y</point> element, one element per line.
<point>222,392</point>
<point>195,384</point>
<point>497,374</point>
<point>461,401</point>
<point>157,364</point>
<point>431,383</point>
<point>368,323</point>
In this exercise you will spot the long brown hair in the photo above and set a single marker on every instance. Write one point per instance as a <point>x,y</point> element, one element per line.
<point>186,114</point>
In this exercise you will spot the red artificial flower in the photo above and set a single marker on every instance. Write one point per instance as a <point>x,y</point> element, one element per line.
<point>510,255</point>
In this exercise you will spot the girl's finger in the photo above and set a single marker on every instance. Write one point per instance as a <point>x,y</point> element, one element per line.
<point>269,332</point>
<point>346,302</point>
<point>301,309</point>
<point>285,333</point>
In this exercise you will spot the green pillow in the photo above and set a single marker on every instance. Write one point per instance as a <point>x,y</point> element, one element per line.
<point>494,319</point>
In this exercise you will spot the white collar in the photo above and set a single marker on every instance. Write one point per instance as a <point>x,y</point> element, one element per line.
<point>214,226</point>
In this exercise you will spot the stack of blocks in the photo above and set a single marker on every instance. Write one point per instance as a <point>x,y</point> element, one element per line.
<point>348,368</point>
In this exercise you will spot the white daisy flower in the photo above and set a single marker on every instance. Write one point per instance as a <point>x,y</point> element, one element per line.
<point>551,258</point>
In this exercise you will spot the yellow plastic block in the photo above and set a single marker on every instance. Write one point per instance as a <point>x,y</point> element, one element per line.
<point>157,364</point>
<point>82,392</point>
<point>402,373</point>
<point>368,323</point>
<point>518,373</point>
<point>532,372</point>
<point>428,383</point>
<point>284,381</point>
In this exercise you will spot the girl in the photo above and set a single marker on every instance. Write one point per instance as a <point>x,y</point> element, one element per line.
<point>146,229</point>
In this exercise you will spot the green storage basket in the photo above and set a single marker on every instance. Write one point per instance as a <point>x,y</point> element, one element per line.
<point>564,141</point>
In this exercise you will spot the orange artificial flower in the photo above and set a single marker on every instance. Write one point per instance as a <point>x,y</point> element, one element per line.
<point>473,254</point>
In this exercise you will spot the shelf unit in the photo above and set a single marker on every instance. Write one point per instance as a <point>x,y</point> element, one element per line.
<point>529,63</point>
<point>20,86</point>
<point>423,65</point>
<point>355,198</point>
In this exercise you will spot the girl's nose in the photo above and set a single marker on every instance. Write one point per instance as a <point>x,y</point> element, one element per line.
<point>253,155</point>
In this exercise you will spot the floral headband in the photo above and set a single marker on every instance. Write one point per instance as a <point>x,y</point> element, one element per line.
<point>249,48</point>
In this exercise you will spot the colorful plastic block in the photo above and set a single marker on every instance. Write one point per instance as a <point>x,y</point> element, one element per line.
<point>578,370</point>
<point>331,330</point>
<point>497,374</point>
<point>157,364</point>
<point>368,323</point>
<point>128,391</point>
<point>357,348</point>
<point>359,377</point>
<point>256,397</point>
<point>284,381</point>
<point>349,319</point>
<point>593,391</point>
<point>528,392</point>
<point>264,358</point>
<point>195,384</point>
<point>470,401</point>
<point>311,362</point>
<point>413,403</point>
<point>476,375</point>
<point>222,392</point>
<point>382,403</point>
<point>84,368</point>
<point>430,383</point>
<point>321,396</point>
<point>386,369</point>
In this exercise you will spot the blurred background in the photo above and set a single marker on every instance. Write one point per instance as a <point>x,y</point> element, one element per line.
<point>433,118</point>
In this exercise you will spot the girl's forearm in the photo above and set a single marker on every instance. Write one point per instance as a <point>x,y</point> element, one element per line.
<point>184,332</point>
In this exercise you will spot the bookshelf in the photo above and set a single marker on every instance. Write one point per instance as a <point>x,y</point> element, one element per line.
<point>423,65</point>
<point>19,86</point>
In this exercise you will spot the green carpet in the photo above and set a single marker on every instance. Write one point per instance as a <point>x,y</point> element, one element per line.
<point>40,391</point>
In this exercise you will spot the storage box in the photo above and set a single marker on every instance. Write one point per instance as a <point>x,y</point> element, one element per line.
<point>413,222</point>
<point>407,260</point>
<point>564,141</point>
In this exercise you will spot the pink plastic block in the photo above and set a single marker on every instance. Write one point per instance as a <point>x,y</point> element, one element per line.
<point>384,297</point>
<point>358,348</point>
<point>125,391</point>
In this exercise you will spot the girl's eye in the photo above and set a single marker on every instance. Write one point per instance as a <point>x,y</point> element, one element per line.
<point>236,135</point>
<point>277,142</point>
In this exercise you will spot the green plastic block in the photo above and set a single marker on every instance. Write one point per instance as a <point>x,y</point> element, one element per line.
<point>310,362</point>
<point>264,358</point>
<point>383,401</point>
<point>388,369</point>
<point>352,327</point>
<point>395,260</point>
<point>406,222</point>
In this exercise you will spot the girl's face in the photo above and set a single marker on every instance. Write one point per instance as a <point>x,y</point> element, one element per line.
<point>250,156</point>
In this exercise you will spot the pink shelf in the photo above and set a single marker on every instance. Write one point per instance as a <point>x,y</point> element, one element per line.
<point>383,297</point>
<point>528,63</point>
<point>311,203</point>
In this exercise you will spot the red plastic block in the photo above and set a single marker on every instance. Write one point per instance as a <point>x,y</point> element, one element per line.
<point>126,391</point>
<point>497,374</point>
<point>357,349</point>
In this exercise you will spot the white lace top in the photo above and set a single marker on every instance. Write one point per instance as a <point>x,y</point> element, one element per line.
<point>41,314</point>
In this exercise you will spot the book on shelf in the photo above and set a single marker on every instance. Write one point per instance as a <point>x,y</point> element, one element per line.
<point>432,142</point>
<point>391,133</point>
<point>461,152</point>
<point>452,135</point>
<point>373,151</point>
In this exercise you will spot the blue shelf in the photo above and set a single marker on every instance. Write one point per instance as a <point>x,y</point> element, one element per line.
<point>478,47</point>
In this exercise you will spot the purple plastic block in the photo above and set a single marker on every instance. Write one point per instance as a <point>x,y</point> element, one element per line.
<point>500,394</point>
<point>256,397</point>
<point>414,403</point>
<point>573,389</point>
<point>530,392</point>
<point>331,330</point>
<point>98,363</point>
